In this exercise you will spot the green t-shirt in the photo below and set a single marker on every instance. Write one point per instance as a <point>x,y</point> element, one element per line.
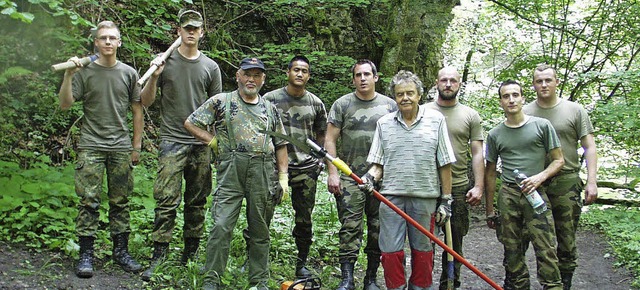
<point>571,122</point>
<point>184,85</point>
<point>106,94</point>
<point>523,148</point>
<point>464,125</point>
<point>246,122</point>
<point>303,118</point>
<point>356,120</point>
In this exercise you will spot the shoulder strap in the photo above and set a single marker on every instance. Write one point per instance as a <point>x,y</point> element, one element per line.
<point>227,119</point>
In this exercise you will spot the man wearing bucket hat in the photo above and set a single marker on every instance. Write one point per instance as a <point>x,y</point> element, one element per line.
<point>186,80</point>
<point>246,167</point>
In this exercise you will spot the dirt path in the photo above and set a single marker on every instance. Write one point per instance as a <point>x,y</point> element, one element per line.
<point>22,269</point>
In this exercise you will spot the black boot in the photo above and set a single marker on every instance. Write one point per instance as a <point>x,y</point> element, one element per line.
<point>190,248</point>
<point>373,262</point>
<point>301,269</point>
<point>85,263</point>
<point>347,282</point>
<point>121,254</point>
<point>159,254</point>
<point>566,280</point>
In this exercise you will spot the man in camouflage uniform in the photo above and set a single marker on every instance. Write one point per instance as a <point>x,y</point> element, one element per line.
<point>245,171</point>
<point>304,117</point>
<point>187,80</point>
<point>352,119</point>
<point>571,122</point>
<point>466,134</point>
<point>106,88</point>
<point>522,142</point>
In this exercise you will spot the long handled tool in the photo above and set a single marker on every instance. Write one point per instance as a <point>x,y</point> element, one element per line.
<point>69,64</point>
<point>313,148</point>
<point>450,263</point>
<point>160,59</point>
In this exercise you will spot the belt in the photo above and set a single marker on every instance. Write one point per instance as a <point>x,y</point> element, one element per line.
<point>511,184</point>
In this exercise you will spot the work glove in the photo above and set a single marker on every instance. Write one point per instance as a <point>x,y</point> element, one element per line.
<point>367,183</point>
<point>443,212</point>
<point>283,184</point>
<point>213,144</point>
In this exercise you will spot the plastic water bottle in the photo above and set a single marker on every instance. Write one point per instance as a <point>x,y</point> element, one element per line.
<point>534,198</point>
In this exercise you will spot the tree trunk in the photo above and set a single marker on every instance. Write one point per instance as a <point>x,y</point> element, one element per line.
<point>415,34</point>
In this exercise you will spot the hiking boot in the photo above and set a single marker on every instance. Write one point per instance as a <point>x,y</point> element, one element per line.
<point>301,269</point>
<point>121,254</point>
<point>190,248</point>
<point>159,254</point>
<point>347,282</point>
<point>566,280</point>
<point>84,268</point>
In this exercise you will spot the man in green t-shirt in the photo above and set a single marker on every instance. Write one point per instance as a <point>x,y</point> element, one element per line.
<point>245,170</point>
<point>571,122</point>
<point>106,88</point>
<point>186,80</point>
<point>304,117</point>
<point>522,142</point>
<point>352,119</point>
<point>466,134</point>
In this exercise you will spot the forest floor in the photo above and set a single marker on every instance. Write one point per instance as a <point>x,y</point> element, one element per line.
<point>21,268</point>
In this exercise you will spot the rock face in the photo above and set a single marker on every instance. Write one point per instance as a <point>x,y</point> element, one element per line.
<point>395,34</point>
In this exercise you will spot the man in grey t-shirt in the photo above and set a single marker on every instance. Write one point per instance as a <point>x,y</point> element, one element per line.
<point>186,81</point>
<point>106,88</point>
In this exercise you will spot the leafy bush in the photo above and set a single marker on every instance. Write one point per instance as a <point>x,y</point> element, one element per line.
<point>621,225</point>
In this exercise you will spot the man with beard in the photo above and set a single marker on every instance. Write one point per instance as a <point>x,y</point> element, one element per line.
<point>466,135</point>
<point>352,119</point>
<point>304,117</point>
<point>187,80</point>
<point>106,88</point>
<point>246,160</point>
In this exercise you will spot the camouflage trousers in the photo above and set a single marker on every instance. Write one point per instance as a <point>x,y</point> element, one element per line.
<point>517,214</point>
<point>240,176</point>
<point>459,229</point>
<point>352,205</point>
<point>176,161</point>
<point>566,204</point>
<point>89,175</point>
<point>303,185</point>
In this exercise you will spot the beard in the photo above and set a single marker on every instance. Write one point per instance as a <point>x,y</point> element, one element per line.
<point>446,95</point>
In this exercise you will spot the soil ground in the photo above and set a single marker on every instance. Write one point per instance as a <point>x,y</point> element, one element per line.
<point>24,269</point>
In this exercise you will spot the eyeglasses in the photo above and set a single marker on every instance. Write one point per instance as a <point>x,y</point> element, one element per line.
<point>105,37</point>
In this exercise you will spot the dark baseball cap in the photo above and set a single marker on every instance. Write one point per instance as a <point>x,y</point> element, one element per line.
<point>251,62</point>
<point>190,18</point>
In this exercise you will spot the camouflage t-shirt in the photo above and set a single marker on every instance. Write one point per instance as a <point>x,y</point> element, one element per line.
<point>464,125</point>
<point>106,94</point>
<point>184,85</point>
<point>356,120</point>
<point>246,122</point>
<point>303,117</point>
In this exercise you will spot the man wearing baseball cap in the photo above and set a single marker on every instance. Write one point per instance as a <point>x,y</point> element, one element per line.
<point>185,81</point>
<point>245,171</point>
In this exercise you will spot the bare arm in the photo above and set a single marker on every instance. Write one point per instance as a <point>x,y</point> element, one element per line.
<point>138,125</point>
<point>376,171</point>
<point>474,195</point>
<point>148,93</point>
<point>490,189</point>
<point>445,180</point>
<point>533,182</point>
<point>591,189</point>
<point>282,159</point>
<point>333,182</point>
<point>66,95</point>
<point>200,134</point>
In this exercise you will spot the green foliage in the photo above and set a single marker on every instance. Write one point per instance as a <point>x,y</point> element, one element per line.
<point>622,228</point>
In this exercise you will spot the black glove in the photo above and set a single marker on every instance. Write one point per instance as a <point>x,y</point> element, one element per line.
<point>367,183</point>
<point>443,212</point>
